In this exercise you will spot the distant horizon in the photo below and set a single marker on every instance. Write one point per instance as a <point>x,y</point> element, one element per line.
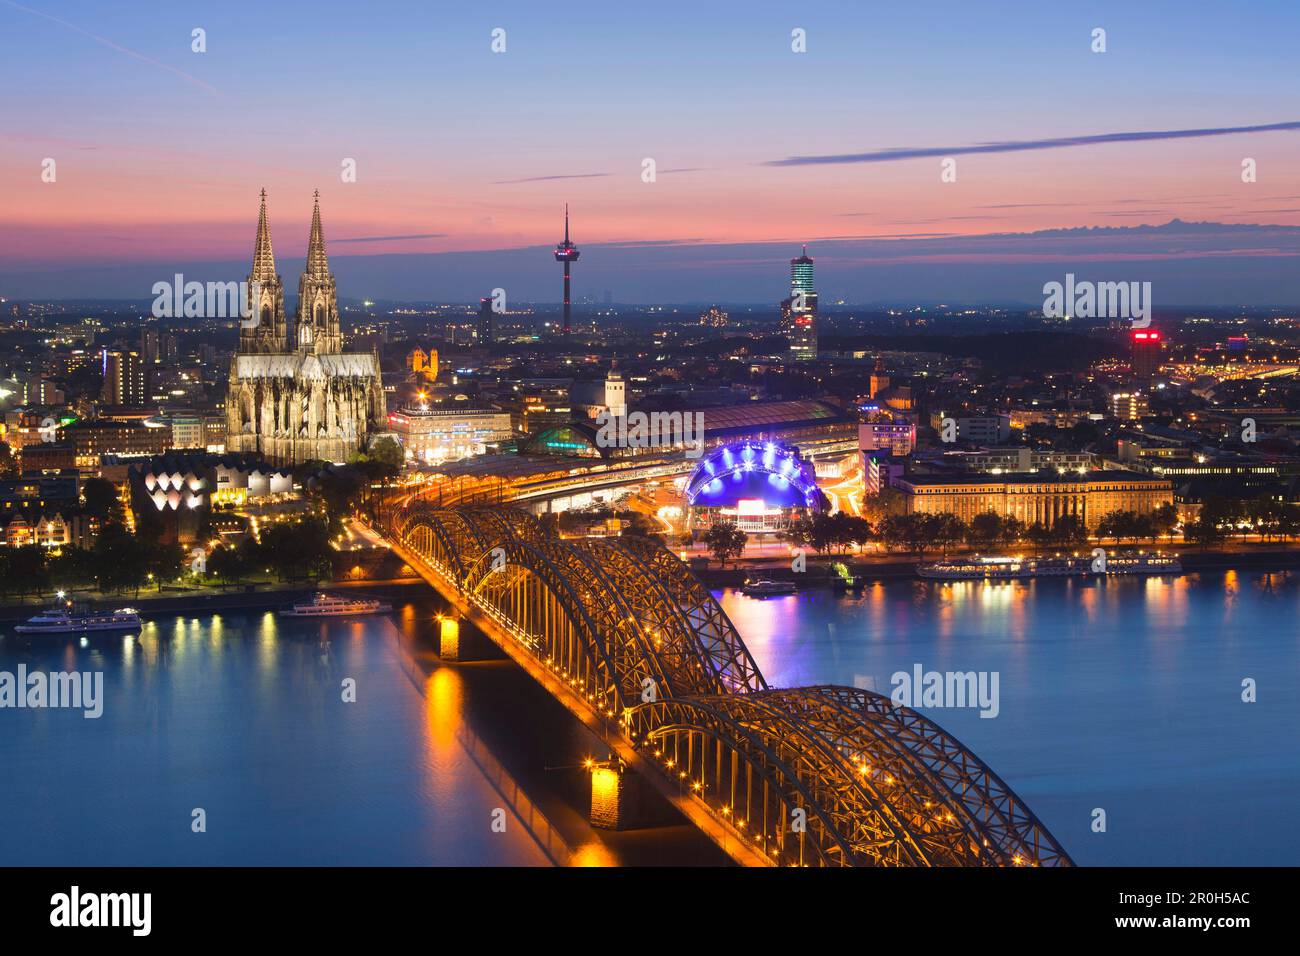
<point>697,148</point>
<point>974,271</point>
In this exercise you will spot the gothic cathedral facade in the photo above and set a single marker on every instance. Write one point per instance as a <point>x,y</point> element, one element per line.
<point>295,395</point>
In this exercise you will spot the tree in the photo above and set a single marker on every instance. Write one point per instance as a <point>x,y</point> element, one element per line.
<point>300,549</point>
<point>26,571</point>
<point>227,564</point>
<point>71,568</point>
<point>1165,519</point>
<point>725,541</point>
<point>1039,534</point>
<point>986,529</point>
<point>122,559</point>
<point>8,464</point>
<point>1013,530</point>
<point>946,529</point>
<point>387,452</point>
<point>102,501</point>
<point>166,562</point>
<point>1068,530</point>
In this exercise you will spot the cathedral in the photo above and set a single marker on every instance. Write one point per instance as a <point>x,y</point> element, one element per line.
<point>295,395</point>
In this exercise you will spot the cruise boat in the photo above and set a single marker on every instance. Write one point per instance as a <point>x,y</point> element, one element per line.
<point>987,568</point>
<point>764,588</point>
<point>70,620</point>
<point>329,605</point>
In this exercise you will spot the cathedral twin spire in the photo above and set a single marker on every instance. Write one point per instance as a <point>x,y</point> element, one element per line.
<point>317,323</point>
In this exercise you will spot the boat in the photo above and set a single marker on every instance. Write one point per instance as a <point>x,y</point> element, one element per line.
<point>1000,568</point>
<point>842,579</point>
<point>72,620</point>
<point>330,605</point>
<point>765,588</point>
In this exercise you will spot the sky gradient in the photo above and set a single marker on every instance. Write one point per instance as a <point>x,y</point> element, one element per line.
<point>161,151</point>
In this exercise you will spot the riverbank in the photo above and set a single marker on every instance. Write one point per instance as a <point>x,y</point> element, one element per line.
<point>207,600</point>
<point>893,567</point>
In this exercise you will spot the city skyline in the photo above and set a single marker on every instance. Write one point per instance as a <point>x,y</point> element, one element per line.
<point>756,149</point>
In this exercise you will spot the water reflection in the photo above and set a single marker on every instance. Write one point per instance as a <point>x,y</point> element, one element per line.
<point>1121,693</point>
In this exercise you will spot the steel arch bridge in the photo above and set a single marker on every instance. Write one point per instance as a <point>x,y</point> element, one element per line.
<point>630,640</point>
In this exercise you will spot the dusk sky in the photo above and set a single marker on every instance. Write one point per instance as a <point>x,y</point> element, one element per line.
<point>160,151</point>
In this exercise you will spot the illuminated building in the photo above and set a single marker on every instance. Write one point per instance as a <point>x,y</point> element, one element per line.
<point>879,381</point>
<point>91,440</point>
<point>799,311</point>
<point>590,397</point>
<point>1146,345</point>
<point>1129,405</point>
<point>123,378</point>
<point>760,486</point>
<point>1034,498</point>
<point>440,434</point>
<point>880,431</point>
<point>485,330</point>
<point>182,487</point>
<point>982,429</point>
<point>423,363</point>
<point>305,400</point>
<point>567,253</point>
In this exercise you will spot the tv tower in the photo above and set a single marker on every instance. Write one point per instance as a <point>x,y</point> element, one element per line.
<point>566,252</point>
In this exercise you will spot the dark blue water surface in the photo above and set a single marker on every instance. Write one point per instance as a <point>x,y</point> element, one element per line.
<point>242,715</point>
<point>1122,694</point>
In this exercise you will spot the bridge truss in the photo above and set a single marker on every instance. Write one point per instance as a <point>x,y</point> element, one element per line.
<point>813,776</point>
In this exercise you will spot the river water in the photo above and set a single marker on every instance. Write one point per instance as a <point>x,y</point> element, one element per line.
<point>1118,695</point>
<point>1123,695</point>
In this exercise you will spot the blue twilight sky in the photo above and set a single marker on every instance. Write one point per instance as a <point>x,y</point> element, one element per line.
<point>465,157</point>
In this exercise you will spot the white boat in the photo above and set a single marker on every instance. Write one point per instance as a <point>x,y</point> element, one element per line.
<point>764,588</point>
<point>62,620</point>
<point>329,605</point>
<point>1016,568</point>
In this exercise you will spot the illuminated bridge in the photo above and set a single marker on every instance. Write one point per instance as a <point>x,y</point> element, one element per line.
<point>630,641</point>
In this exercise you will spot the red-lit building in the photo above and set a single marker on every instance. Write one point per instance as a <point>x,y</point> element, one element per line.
<point>1146,347</point>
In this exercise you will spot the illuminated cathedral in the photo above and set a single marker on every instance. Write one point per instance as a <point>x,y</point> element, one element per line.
<point>295,395</point>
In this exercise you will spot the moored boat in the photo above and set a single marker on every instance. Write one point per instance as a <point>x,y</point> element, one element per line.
<point>1098,563</point>
<point>73,620</point>
<point>764,588</point>
<point>330,605</point>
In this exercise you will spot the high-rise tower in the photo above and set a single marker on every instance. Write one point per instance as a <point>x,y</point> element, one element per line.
<point>566,252</point>
<point>799,312</point>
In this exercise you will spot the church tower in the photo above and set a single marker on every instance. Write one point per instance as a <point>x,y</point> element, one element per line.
<point>317,325</point>
<point>265,328</point>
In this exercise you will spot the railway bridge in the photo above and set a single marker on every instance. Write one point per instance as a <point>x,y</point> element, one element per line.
<point>629,640</point>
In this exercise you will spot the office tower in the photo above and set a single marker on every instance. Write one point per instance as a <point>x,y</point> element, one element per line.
<point>799,311</point>
<point>486,322</point>
<point>123,378</point>
<point>1145,355</point>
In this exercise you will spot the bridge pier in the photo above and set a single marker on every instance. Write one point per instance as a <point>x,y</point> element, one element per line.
<point>620,800</point>
<point>459,641</point>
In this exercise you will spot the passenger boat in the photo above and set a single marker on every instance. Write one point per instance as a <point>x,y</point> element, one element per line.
<point>764,588</point>
<point>71,620</point>
<point>329,605</point>
<point>988,568</point>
